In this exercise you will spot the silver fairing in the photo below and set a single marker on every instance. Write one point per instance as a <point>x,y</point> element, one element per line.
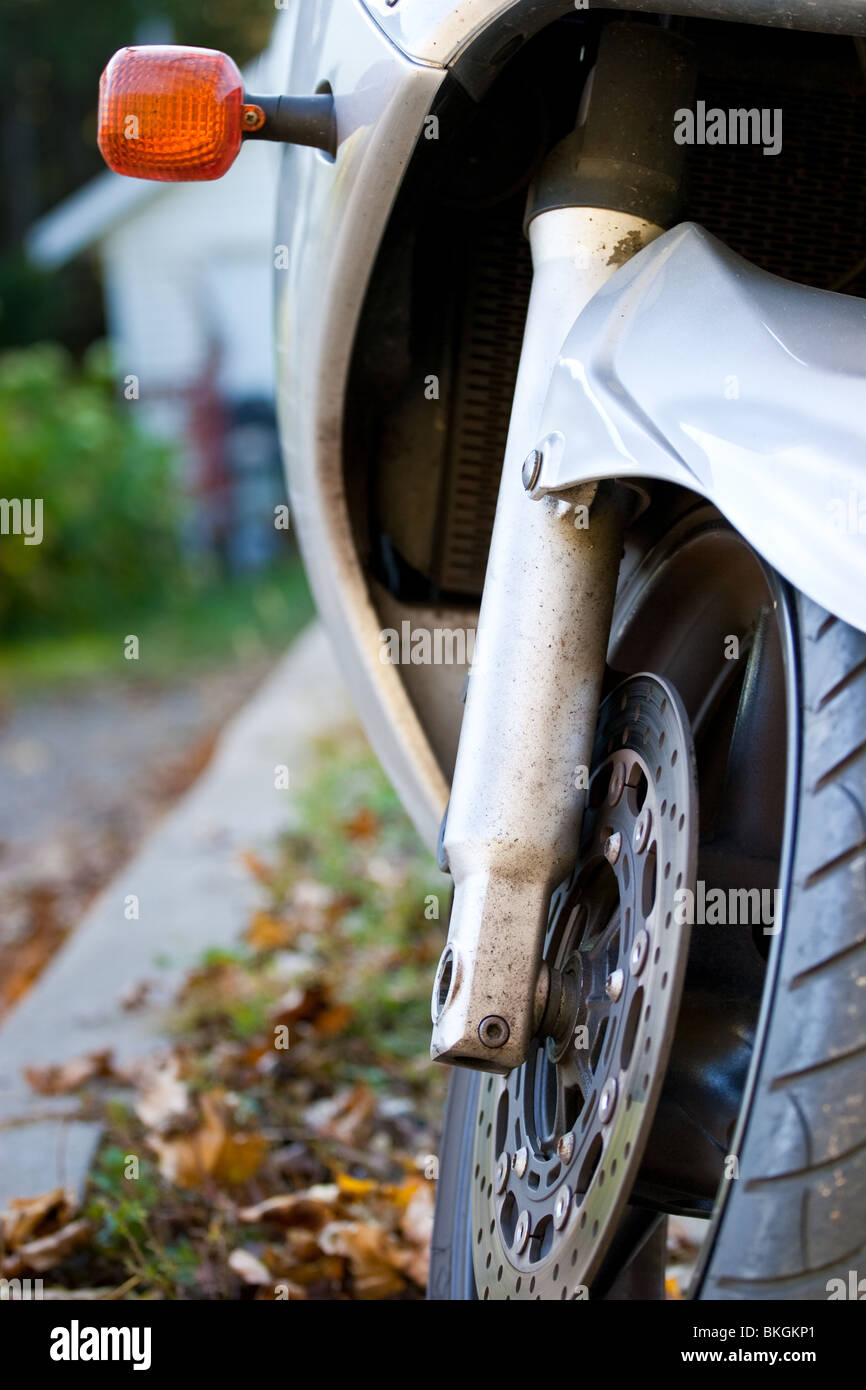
<point>330,219</point>
<point>443,31</point>
<point>693,366</point>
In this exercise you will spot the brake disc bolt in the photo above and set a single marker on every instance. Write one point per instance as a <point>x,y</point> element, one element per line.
<point>521,1231</point>
<point>639,952</point>
<point>520,1162</point>
<point>617,783</point>
<point>612,847</point>
<point>502,1169</point>
<point>607,1101</point>
<point>613,985</point>
<point>642,829</point>
<point>565,1147</point>
<point>562,1207</point>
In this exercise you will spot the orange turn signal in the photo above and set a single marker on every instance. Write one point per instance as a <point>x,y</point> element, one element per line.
<point>170,113</point>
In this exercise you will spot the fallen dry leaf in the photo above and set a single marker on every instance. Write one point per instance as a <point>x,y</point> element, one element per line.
<point>59,1080</point>
<point>43,1254</point>
<point>300,1004</point>
<point>417,1227</point>
<point>333,1021</point>
<point>186,1159</point>
<point>301,1247</point>
<point>416,1265</point>
<point>23,960</point>
<point>249,1267</point>
<point>681,1242</point>
<point>374,1257</point>
<point>212,1150</point>
<point>163,1100</point>
<point>268,933</point>
<point>292,1209</point>
<point>344,1116</point>
<point>417,1222</point>
<point>24,1215</point>
<point>240,1158</point>
<point>326,1269</point>
<point>218,986</point>
<point>313,1007</point>
<point>356,1187</point>
<point>401,1194</point>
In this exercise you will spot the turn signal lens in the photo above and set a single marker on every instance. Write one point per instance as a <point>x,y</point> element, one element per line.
<point>170,113</point>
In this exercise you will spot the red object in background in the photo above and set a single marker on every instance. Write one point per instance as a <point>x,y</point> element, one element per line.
<point>170,113</point>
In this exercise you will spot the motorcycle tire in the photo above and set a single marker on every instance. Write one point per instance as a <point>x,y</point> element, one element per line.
<point>794,1220</point>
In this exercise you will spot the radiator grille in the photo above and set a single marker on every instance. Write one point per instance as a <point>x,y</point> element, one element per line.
<point>487,356</point>
<point>800,214</point>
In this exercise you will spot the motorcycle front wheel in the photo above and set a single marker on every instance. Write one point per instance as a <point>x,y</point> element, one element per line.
<point>756,1119</point>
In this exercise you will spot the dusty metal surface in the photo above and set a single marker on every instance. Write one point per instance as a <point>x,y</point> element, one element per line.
<point>517,795</point>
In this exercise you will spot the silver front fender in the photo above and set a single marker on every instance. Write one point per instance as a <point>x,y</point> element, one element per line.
<point>692,366</point>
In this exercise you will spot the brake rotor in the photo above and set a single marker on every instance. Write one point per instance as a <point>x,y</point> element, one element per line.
<point>559,1141</point>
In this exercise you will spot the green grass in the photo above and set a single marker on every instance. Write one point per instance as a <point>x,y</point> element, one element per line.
<point>243,619</point>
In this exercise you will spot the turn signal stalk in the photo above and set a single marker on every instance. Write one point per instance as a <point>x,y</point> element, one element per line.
<point>179,115</point>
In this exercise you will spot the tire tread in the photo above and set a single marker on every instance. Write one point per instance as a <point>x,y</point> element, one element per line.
<point>802,1176</point>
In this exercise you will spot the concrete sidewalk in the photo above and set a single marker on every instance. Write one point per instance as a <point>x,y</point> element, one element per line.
<point>193,892</point>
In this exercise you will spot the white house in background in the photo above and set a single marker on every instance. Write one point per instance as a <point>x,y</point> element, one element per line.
<point>187,278</point>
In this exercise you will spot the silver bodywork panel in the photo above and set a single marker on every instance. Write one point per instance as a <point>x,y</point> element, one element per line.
<point>440,31</point>
<point>693,366</point>
<point>330,220</point>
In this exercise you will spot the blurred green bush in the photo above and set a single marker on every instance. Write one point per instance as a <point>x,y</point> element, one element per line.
<point>112,505</point>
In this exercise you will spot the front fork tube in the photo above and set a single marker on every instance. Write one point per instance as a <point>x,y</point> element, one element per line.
<point>513,822</point>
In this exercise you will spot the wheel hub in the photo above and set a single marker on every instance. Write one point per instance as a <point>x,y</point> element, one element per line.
<point>559,1141</point>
